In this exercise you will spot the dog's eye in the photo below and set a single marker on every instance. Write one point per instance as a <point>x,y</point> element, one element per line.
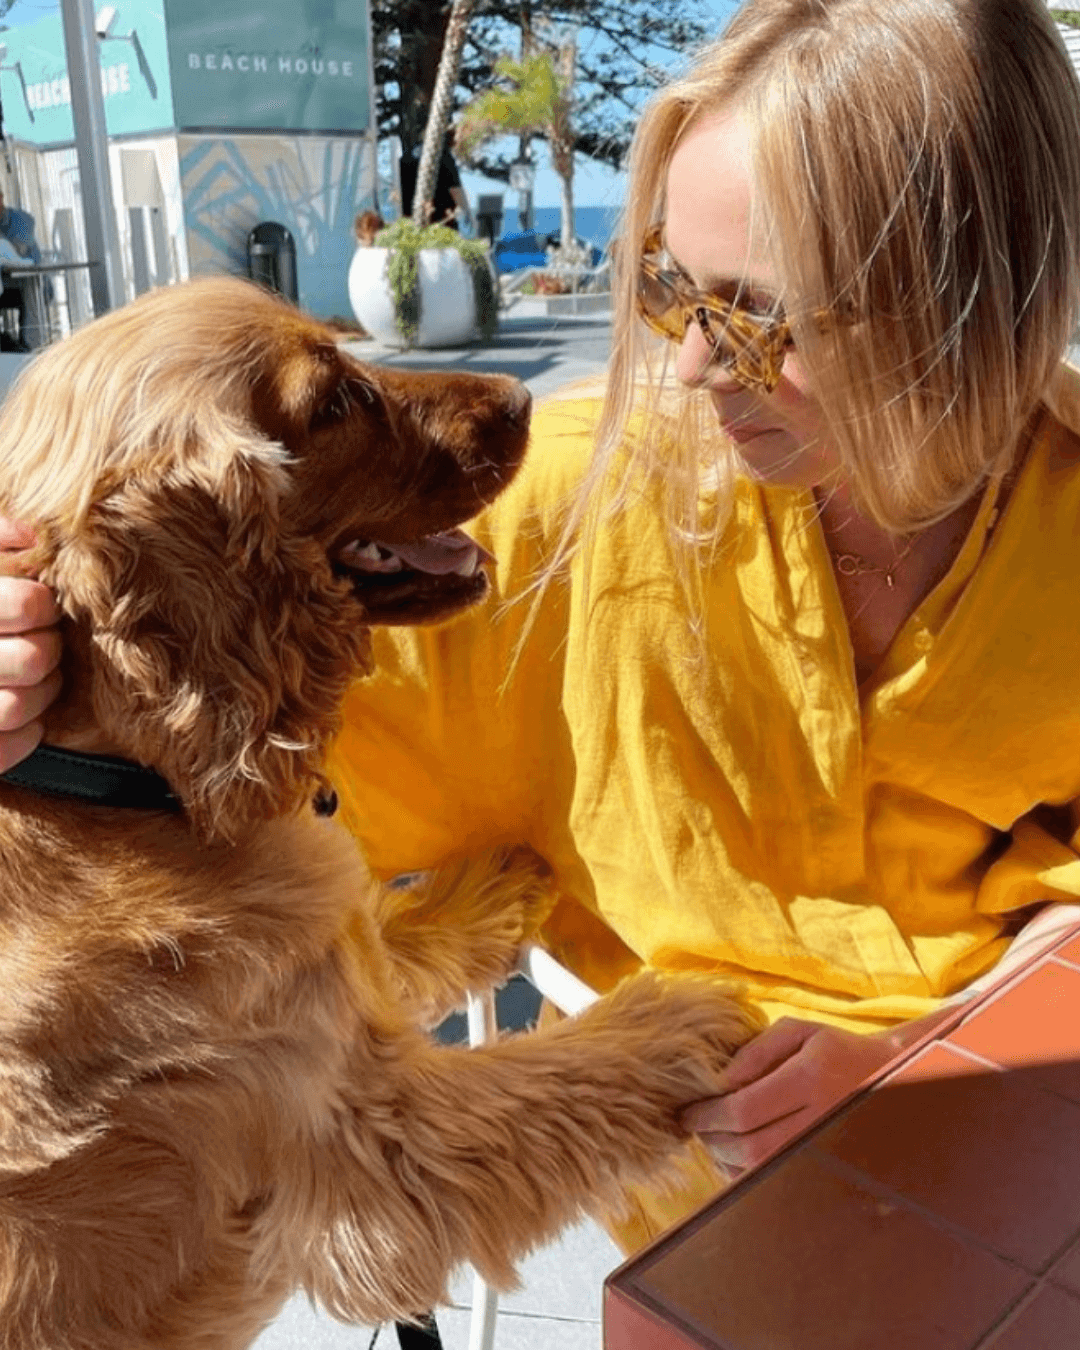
<point>345,397</point>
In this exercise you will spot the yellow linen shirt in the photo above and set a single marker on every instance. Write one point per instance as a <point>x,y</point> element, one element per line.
<point>738,805</point>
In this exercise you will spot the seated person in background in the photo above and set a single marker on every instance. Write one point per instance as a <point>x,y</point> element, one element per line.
<point>18,228</point>
<point>18,244</point>
<point>12,297</point>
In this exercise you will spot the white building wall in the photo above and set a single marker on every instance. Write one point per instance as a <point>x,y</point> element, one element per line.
<point>185,205</point>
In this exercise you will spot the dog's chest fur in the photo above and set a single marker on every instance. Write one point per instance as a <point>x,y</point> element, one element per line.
<point>129,958</point>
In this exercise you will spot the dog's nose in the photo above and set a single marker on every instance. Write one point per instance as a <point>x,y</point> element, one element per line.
<point>518,403</point>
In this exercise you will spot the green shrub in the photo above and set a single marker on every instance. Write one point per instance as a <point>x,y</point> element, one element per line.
<point>404,240</point>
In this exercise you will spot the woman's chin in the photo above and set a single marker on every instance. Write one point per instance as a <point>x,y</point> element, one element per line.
<point>772,455</point>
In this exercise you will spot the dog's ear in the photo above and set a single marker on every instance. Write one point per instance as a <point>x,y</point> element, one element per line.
<point>220,647</point>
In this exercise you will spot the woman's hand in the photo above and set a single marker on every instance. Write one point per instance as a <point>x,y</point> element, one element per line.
<point>786,1078</point>
<point>29,654</point>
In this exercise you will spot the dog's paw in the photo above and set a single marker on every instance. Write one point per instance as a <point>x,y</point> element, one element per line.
<point>495,901</point>
<point>684,1028</point>
<point>458,927</point>
<point>526,889</point>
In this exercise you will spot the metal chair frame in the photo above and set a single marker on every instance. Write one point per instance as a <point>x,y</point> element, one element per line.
<point>571,996</point>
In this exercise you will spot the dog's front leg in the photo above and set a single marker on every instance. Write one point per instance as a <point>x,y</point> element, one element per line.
<point>480,1155</point>
<point>457,928</point>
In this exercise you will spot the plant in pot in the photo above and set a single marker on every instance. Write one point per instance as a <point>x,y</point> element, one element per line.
<point>438,287</point>
<point>423,286</point>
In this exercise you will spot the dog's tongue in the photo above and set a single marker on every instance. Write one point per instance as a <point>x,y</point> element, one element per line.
<point>441,553</point>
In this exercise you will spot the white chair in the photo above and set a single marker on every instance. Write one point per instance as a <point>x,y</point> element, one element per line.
<point>570,995</point>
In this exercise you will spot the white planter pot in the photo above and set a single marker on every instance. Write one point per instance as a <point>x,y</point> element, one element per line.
<point>447,301</point>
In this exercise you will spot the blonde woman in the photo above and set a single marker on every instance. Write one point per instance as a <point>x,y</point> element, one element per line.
<point>798,698</point>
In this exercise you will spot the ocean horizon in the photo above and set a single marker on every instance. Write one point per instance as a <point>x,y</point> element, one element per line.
<point>594,223</point>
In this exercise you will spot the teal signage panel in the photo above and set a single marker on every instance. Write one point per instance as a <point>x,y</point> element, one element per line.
<point>134,76</point>
<point>279,65</point>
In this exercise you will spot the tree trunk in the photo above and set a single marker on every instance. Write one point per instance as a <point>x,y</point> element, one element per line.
<point>566,224</point>
<point>439,113</point>
<point>564,162</point>
<point>525,196</point>
<point>420,26</point>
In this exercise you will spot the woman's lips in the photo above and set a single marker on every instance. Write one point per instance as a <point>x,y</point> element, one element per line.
<point>742,432</point>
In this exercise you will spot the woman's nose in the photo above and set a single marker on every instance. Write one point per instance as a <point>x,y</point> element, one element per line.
<point>694,363</point>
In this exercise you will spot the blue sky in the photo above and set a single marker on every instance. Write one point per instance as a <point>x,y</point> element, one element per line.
<point>26,11</point>
<point>593,184</point>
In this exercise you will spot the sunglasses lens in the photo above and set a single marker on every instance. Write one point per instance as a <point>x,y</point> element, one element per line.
<point>717,329</point>
<point>751,347</point>
<point>743,347</point>
<point>659,306</point>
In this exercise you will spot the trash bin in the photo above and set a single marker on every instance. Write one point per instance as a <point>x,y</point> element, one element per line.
<point>272,259</point>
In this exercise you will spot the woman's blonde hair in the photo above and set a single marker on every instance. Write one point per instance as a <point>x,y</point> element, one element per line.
<point>918,167</point>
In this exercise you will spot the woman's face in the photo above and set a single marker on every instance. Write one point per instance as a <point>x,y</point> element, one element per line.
<point>712,234</point>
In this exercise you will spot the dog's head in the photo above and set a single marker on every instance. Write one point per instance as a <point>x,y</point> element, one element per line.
<point>225,502</point>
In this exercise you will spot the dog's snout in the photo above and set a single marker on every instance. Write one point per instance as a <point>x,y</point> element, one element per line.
<point>496,406</point>
<point>519,405</point>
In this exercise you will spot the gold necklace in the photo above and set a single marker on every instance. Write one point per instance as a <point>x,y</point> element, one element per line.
<point>852,565</point>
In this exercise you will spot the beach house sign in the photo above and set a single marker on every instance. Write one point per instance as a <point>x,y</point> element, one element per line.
<point>277,66</point>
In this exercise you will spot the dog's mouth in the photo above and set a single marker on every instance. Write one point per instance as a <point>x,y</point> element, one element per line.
<point>426,578</point>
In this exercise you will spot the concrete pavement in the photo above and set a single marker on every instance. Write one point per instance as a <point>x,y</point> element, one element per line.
<point>545,351</point>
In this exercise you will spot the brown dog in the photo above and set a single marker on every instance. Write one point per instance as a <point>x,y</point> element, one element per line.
<point>213,1083</point>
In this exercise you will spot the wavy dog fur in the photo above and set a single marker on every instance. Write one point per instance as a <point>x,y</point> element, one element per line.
<point>214,1084</point>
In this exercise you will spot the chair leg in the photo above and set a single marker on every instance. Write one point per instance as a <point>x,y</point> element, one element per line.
<point>483,1029</point>
<point>570,996</point>
<point>485,1308</point>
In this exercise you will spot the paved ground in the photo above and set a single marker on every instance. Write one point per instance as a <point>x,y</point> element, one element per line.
<point>545,351</point>
<point>558,1304</point>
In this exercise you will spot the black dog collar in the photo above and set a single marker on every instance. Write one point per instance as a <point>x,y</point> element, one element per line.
<point>100,780</point>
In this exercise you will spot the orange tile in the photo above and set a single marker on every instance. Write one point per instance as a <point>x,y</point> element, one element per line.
<point>1051,1321</point>
<point>1070,951</point>
<point>629,1326</point>
<point>935,1061</point>
<point>803,1257</point>
<point>1036,1024</point>
<point>982,1151</point>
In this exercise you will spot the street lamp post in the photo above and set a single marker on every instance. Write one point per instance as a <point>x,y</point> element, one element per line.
<point>92,150</point>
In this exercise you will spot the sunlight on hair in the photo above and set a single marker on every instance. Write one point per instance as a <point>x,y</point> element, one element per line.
<point>880,128</point>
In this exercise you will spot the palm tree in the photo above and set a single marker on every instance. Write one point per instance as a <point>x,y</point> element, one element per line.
<point>533,98</point>
<point>439,113</point>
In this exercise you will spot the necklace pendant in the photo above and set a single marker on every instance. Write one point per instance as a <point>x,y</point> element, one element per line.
<point>890,580</point>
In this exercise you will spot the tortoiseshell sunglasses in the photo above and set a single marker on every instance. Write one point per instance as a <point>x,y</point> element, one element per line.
<point>751,346</point>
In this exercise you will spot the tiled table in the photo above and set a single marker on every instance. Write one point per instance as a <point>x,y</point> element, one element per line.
<point>937,1209</point>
